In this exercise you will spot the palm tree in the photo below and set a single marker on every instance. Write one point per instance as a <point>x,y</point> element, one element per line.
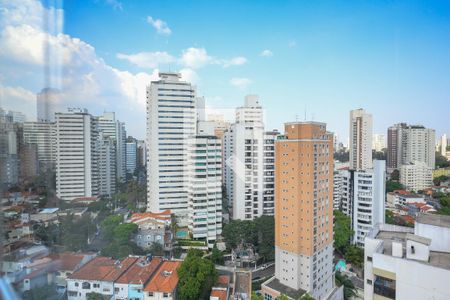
<point>349,288</point>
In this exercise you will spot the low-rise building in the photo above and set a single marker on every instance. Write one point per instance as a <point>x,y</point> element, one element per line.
<point>221,291</point>
<point>131,284</point>
<point>402,197</point>
<point>153,227</point>
<point>163,285</point>
<point>408,263</point>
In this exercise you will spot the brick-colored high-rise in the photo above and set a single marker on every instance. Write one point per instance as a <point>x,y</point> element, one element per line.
<point>303,212</point>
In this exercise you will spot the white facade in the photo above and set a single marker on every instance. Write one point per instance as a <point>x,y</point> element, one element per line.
<point>378,142</point>
<point>76,155</point>
<point>401,265</point>
<point>107,165</point>
<point>249,163</point>
<point>444,145</point>
<point>43,136</point>
<point>411,143</point>
<point>369,194</point>
<point>171,120</point>
<point>337,189</point>
<point>115,130</point>
<point>416,176</point>
<point>360,140</point>
<point>363,195</point>
<point>205,188</point>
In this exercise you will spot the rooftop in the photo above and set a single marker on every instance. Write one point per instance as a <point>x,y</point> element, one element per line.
<point>163,216</point>
<point>140,272</point>
<point>219,294</point>
<point>166,278</point>
<point>437,259</point>
<point>103,269</point>
<point>433,219</point>
<point>276,285</point>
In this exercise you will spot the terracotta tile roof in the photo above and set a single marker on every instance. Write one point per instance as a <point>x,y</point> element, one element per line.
<point>164,216</point>
<point>140,272</point>
<point>166,278</point>
<point>120,268</point>
<point>103,269</point>
<point>219,293</point>
<point>223,280</point>
<point>68,260</point>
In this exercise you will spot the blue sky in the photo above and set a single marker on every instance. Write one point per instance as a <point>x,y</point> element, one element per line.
<point>390,57</point>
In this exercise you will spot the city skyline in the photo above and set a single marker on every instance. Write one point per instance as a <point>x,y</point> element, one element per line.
<point>324,57</point>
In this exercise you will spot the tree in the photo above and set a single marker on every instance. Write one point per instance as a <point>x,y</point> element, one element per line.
<point>389,216</point>
<point>342,230</point>
<point>156,249</point>
<point>196,276</point>
<point>283,297</point>
<point>395,175</point>
<point>437,181</point>
<point>43,292</point>
<point>119,244</point>
<point>306,297</point>
<point>108,225</point>
<point>393,185</point>
<point>441,161</point>
<point>94,296</point>
<point>354,255</point>
<point>216,255</point>
<point>349,287</point>
<point>256,297</point>
<point>265,226</point>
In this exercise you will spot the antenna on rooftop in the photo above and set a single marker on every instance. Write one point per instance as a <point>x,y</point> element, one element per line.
<point>305,112</point>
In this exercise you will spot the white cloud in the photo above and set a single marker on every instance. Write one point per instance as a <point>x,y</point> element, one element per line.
<point>192,58</point>
<point>147,59</point>
<point>189,75</point>
<point>18,99</point>
<point>116,5</point>
<point>241,82</point>
<point>266,53</point>
<point>195,58</point>
<point>160,26</point>
<point>236,61</point>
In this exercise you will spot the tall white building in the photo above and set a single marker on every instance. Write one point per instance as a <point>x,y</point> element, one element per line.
<point>43,136</point>
<point>171,120</point>
<point>416,176</point>
<point>205,187</point>
<point>444,145</point>
<point>107,165</point>
<point>408,263</point>
<point>47,104</point>
<point>411,143</point>
<point>378,142</point>
<point>249,163</point>
<point>363,196</point>
<point>77,158</point>
<point>114,129</point>
<point>360,140</point>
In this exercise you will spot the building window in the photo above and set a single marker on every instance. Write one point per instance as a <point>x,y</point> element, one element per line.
<point>267,297</point>
<point>150,294</point>
<point>165,295</point>
<point>369,258</point>
<point>85,285</point>
<point>384,287</point>
<point>369,281</point>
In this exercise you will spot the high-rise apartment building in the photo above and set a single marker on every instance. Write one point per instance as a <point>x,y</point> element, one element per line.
<point>378,142</point>
<point>47,105</point>
<point>444,144</point>
<point>41,134</point>
<point>249,163</point>
<point>114,129</point>
<point>141,153</point>
<point>9,153</point>
<point>360,140</point>
<point>131,155</point>
<point>410,143</point>
<point>77,169</point>
<point>205,187</point>
<point>416,176</point>
<point>172,109</point>
<point>362,197</point>
<point>107,165</point>
<point>303,213</point>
